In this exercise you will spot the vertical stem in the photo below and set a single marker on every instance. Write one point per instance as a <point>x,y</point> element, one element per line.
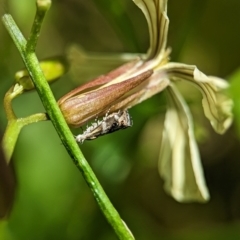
<point>59,123</point>
<point>7,103</point>
<point>42,8</point>
<point>10,138</point>
<point>13,129</point>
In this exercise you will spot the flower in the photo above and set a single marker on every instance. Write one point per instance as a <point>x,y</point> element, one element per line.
<point>144,76</point>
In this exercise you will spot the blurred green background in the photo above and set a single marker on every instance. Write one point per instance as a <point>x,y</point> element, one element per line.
<point>52,201</point>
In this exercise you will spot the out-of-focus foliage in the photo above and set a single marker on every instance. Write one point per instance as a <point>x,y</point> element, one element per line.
<point>52,200</point>
<point>234,91</point>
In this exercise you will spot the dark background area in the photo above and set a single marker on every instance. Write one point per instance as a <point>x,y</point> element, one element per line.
<point>52,201</point>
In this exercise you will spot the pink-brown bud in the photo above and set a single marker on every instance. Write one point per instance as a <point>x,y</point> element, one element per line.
<point>87,101</point>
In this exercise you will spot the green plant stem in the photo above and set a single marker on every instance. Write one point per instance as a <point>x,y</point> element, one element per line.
<point>13,129</point>
<point>7,102</point>
<point>10,138</point>
<point>42,7</point>
<point>54,113</point>
<point>15,124</point>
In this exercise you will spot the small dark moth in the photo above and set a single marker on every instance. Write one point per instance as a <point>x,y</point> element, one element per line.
<point>110,123</point>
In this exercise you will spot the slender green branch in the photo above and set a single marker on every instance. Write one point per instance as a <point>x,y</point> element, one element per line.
<point>63,130</point>
<point>13,129</point>
<point>14,32</point>
<point>42,8</point>
<point>15,124</point>
<point>7,102</point>
<point>10,138</point>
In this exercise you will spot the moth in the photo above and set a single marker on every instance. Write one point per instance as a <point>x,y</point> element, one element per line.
<point>110,123</point>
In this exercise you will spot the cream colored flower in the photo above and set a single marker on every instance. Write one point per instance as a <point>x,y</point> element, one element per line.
<point>179,162</point>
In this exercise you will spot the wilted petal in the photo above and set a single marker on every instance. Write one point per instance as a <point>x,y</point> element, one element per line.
<point>155,12</point>
<point>217,106</point>
<point>179,162</point>
<point>88,65</point>
<point>156,83</point>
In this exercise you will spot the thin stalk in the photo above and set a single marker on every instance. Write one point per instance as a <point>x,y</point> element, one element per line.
<point>55,115</point>
<point>42,8</point>
<point>13,129</point>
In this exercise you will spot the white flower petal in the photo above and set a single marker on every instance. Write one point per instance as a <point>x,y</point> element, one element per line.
<point>88,65</point>
<point>217,106</point>
<point>179,161</point>
<point>155,12</point>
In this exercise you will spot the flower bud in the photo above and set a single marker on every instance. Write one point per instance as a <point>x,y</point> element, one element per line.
<point>52,68</point>
<point>80,106</point>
